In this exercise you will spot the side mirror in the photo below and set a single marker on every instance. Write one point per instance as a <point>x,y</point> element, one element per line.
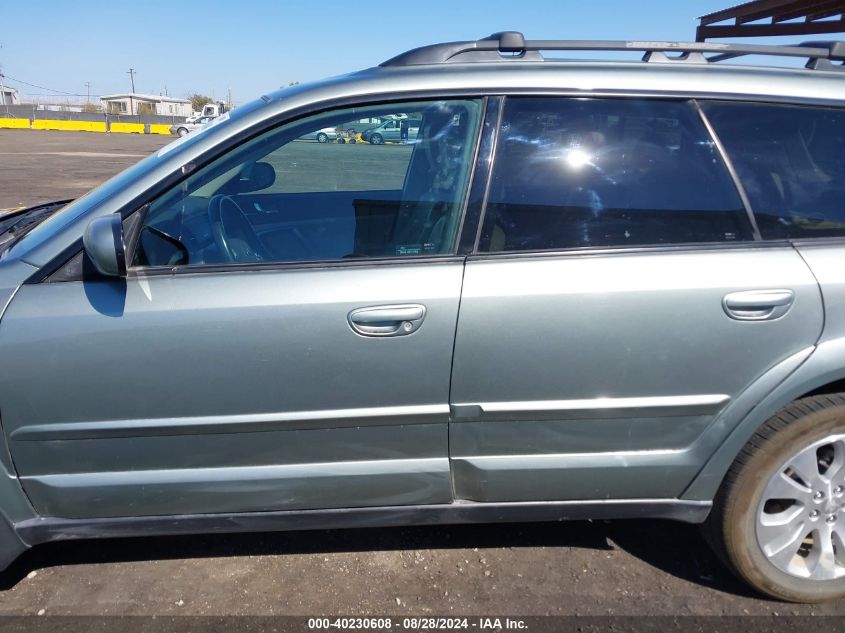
<point>104,245</point>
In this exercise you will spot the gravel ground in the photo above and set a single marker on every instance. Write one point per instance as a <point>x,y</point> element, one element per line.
<point>621,568</point>
<point>40,166</point>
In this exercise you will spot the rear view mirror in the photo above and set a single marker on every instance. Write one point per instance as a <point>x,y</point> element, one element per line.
<point>104,245</point>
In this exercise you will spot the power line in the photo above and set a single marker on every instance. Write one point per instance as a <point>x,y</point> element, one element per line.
<point>61,92</point>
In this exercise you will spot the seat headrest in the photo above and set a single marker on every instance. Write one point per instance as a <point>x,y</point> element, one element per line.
<point>253,177</point>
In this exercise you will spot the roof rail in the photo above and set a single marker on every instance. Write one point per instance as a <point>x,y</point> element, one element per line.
<point>512,46</point>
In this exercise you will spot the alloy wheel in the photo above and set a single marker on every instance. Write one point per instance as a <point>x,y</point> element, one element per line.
<point>801,515</point>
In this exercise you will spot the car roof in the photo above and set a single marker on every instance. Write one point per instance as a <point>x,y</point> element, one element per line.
<point>731,81</point>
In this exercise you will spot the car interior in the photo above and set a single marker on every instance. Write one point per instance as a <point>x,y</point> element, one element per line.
<point>792,167</point>
<point>250,206</point>
<point>578,173</point>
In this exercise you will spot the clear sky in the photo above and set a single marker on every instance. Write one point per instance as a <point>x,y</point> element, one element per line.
<point>255,46</point>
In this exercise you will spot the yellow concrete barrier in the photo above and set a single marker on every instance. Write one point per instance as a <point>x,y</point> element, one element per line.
<point>14,124</point>
<point>69,126</point>
<point>83,126</point>
<point>127,128</point>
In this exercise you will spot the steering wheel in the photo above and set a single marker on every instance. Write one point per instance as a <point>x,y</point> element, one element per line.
<point>233,234</point>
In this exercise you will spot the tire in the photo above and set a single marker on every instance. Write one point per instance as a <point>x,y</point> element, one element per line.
<point>182,131</point>
<point>770,496</point>
<point>322,137</point>
<point>376,139</point>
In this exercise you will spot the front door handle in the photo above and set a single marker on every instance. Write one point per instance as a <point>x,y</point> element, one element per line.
<point>394,320</point>
<point>758,305</point>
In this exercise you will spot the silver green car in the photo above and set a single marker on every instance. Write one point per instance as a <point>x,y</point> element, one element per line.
<point>587,290</point>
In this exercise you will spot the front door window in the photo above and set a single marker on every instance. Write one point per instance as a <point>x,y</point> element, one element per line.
<point>284,197</point>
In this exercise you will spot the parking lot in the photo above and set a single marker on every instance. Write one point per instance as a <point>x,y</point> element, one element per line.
<point>584,568</point>
<point>39,166</point>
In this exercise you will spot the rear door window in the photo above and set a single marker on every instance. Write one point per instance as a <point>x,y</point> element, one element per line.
<point>572,173</point>
<point>791,162</point>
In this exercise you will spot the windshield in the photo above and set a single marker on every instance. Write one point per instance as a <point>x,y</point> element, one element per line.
<point>14,226</point>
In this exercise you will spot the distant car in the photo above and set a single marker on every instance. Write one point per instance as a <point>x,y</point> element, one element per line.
<point>392,130</point>
<point>323,135</point>
<point>181,129</point>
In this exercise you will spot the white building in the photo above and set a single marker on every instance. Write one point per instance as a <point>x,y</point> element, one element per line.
<point>9,96</point>
<point>135,103</point>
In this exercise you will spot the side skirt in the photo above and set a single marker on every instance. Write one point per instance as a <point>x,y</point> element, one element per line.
<point>45,529</point>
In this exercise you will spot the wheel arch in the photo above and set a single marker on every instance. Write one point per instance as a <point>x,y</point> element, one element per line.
<point>14,507</point>
<point>821,371</point>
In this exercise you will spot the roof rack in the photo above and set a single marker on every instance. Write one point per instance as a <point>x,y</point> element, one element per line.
<point>512,46</point>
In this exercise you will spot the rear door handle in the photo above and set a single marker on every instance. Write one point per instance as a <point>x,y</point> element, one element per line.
<point>758,305</point>
<point>393,320</point>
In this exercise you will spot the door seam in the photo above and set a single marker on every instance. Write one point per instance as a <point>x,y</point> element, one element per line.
<point>449,420</point>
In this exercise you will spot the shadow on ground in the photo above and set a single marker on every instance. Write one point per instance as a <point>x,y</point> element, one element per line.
<point>674,548</point>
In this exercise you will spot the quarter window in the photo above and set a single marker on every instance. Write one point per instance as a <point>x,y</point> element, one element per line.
<point>572,173</point>
<point>313,190</point>
<point>791,162</point>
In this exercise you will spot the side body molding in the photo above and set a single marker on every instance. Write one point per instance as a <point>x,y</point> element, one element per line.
<point>801,373</point>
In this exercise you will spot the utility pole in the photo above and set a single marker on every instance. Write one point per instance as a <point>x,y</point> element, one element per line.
<point>88,91</point>
<point>131,73</point>
<point>2,92</point>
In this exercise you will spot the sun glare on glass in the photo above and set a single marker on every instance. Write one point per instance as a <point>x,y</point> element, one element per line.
<point>577,158</point>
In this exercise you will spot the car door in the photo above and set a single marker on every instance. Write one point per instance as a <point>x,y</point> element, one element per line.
<point>283,339</point>
<point>617,303</point>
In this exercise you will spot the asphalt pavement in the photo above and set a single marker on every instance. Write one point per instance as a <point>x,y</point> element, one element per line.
<point>43,165</point>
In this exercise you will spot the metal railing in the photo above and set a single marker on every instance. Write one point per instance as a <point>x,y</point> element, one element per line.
<point>511,46</point>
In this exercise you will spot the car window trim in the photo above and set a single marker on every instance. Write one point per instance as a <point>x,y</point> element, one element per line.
<point>205,269</point>
<point>476,196</point>
<point>317,107</point>
<point>494,149</point>
<point>600,251</point>
<point>45,274</point>
<point>728,163</point>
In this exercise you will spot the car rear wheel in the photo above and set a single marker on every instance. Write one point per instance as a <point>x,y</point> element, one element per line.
<point>376,139</point>
<point>182,131</point>
<point>779,517</point>
<point>322,137</point>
